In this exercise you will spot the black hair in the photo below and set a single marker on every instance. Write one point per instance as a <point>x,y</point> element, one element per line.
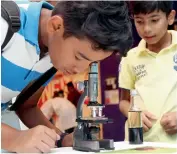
<point>106,24</point>
<point>59,93</point>
<point>146,7</point>
<point>175,22</point>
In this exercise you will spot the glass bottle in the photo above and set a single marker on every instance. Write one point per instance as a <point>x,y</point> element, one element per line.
<point>135,127</point>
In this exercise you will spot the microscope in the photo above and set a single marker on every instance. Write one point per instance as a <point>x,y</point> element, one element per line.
<point>84,137</point>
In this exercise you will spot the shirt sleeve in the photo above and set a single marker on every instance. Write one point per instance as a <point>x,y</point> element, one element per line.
<point>126,75</point>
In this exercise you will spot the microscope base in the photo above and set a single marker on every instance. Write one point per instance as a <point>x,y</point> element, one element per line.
<point>93,145</point>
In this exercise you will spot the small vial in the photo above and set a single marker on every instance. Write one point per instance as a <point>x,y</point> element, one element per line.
<point>100,109</point>
<point>93,112</point>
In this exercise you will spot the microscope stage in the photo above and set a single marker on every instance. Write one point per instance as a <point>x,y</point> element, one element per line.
<point>94,120</point>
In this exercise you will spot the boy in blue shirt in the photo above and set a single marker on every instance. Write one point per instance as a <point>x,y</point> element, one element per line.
<point>69,37</point>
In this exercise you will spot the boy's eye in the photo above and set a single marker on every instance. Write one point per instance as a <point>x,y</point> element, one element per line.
<point>155,20</point>
<point>139,21</point>
<point>77,58</point>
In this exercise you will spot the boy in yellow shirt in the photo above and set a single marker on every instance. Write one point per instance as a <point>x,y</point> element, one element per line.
<point>151,69</point>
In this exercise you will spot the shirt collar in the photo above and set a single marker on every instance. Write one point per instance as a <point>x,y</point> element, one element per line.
<point>142,45</point>
<point>31,28</point>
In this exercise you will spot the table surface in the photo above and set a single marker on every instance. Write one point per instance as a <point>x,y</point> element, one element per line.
<point>118,146</point>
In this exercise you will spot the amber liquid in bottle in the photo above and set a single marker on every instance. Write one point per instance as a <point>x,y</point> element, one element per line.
<point>135,122</point>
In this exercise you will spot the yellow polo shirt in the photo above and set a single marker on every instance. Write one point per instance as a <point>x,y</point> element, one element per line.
<point>154,76</point>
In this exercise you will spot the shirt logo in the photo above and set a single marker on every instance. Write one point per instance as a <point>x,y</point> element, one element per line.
<point>175,61</point>
<point>175,58</point>
<point>140,71</point>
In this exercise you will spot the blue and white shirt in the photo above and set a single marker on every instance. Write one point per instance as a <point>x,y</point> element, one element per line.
<point>20,60</point>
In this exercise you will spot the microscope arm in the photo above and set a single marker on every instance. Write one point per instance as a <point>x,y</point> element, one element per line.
<point>81,100</point>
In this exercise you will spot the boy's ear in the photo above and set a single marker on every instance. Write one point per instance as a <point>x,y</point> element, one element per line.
<point>55,24</point>
<point>171,17</point>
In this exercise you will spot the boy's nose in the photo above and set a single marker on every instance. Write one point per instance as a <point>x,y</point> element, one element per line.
<point>80,69</point>
<point>147,29</point>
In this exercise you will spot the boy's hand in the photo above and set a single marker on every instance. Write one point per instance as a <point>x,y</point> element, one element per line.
<point>147,119</point>
<point>68,140</point>
<point>169,122</point>
<point>39,139</point>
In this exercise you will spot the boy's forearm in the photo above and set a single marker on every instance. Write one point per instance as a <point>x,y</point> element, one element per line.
<point>124,106</point>
<point>8,135</point>
<point>32,117</point>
